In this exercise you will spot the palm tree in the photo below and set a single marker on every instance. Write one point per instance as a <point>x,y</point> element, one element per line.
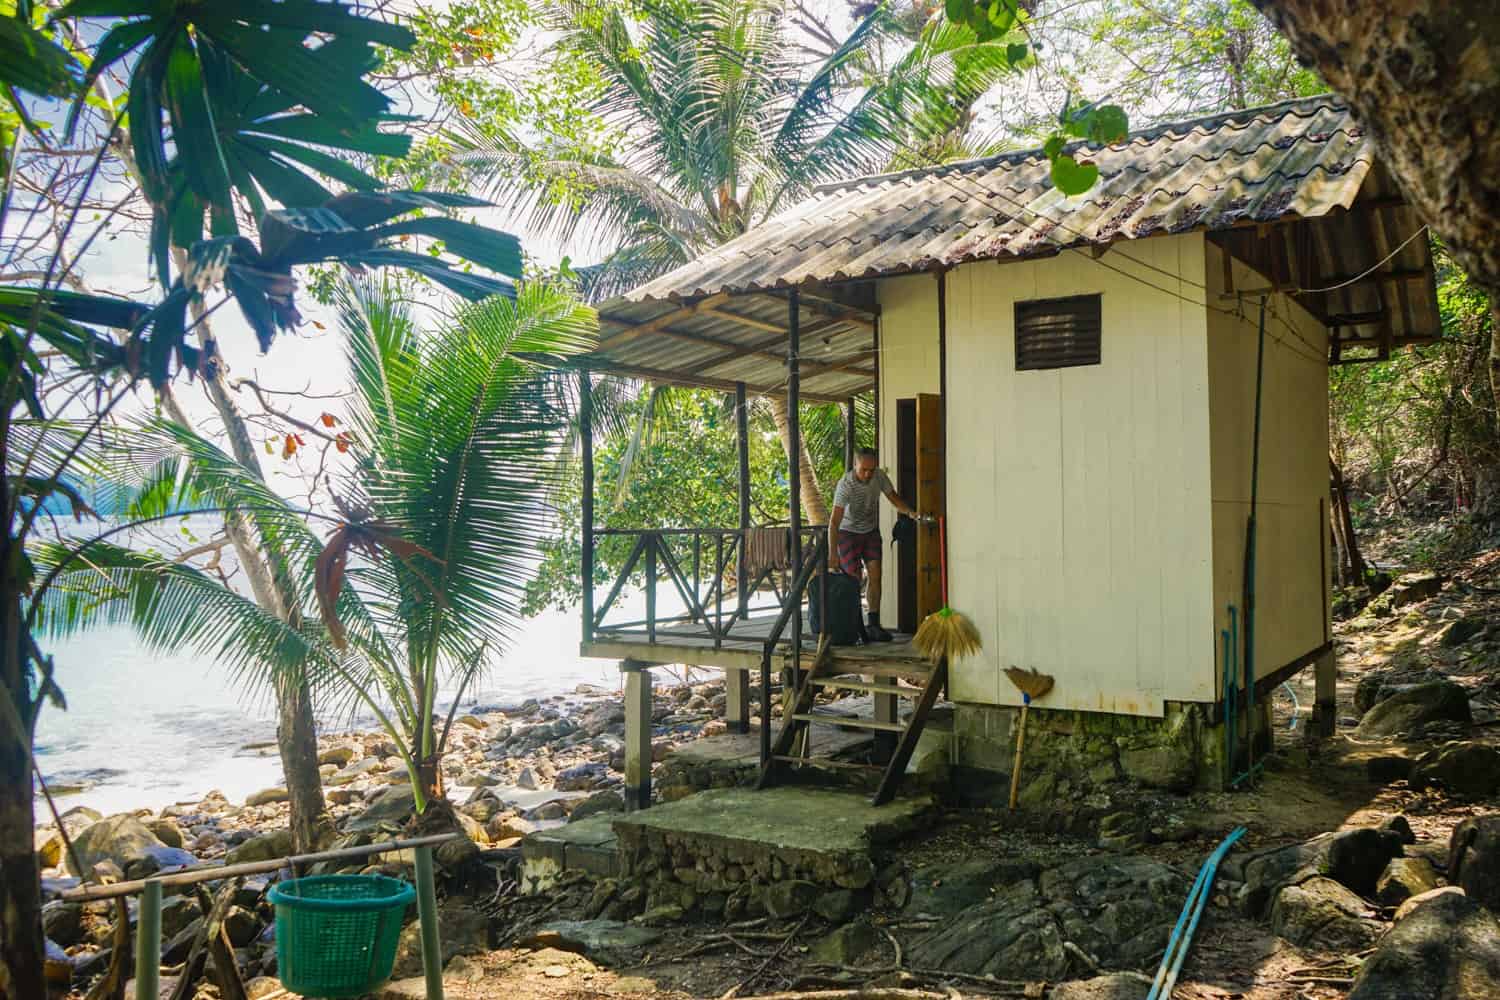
<point>722,127</point>
<point>457,434</point>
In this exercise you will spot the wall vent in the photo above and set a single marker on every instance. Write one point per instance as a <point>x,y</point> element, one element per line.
<point>1057,333</point>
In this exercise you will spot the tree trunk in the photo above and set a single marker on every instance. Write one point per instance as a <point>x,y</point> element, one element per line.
<point>1354,563</point>
<point>814,510</point>
<point>296,730</point>
<point>21,964</point>
<point>1423,77</point>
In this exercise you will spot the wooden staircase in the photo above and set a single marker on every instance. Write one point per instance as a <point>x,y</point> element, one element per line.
<point>892,679</point>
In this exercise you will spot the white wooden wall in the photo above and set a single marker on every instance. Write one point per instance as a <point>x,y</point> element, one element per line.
<point>1079,498</point>
<point>909,365</point>
<point>1291,568</point>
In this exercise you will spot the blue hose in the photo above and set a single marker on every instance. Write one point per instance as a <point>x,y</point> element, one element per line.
<point>1296,705</point>
<point>1187,922</point>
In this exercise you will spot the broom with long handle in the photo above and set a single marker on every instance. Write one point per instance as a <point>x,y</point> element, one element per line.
<point>946,634</point>
<point>1032,684</point>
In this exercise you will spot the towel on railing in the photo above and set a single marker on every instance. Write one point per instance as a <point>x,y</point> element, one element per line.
<point>766,548</point>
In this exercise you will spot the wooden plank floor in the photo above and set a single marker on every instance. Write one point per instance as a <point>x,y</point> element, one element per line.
<point>743,649</point>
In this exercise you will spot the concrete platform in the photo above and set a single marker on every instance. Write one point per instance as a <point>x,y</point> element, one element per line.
<point>590,845</point>
<point>719,839</point>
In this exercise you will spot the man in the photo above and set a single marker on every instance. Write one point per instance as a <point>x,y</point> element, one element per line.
<point>854,529</point>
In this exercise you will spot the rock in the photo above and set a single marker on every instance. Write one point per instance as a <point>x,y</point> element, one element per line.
<point>1404,878</point>
<point>505,826</point>
<point>167,831</point>
<point>1399,825</point>
<point>837,905</point>
<point>1388,768</point>
<point>262,987</point>
<point>1408,588</point>
<point>176,913</point>
<point>63,922</point>
<point>1114,986</point>
<point>1474,859</point>
<point>1404,910</point>
<point>121,839</point>
<point>599,802</point>
<point>241,926</point>
<point>178,945</point>
<point>1458,632</point>
<point>790,898</point>
<point>472,721</point>
<point>582,778</point>
<point>1357,857</point>
<point>553,809</point>
<point>353,772</point>
<point>1265,872</point>
<point>844,945</point>
<point>1379,684</point>
<point>264,847</point>
<point>476,779</point>
<point>339,756</point>
<point>527,780</point>
<point>482,810</point>
<point>1416,707</point>
<point>1119,909</point>
<point>1446,948</point>
<point>389,810</point>
<point>942,890</point>
<point>658,916</point>
<point>1321,913</point>
<point>162,858</point>
<point>1467,770</point>
<point>471,828</point>
<point>266,796</point>
<point>609,942</point>
<point>465,930</point>
<point>1168,767</point>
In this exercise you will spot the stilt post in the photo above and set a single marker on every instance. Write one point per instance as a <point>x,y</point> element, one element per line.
<point>849,442</point>
<point>742,430</point>
<point>586,435</point>
<point>148,944</point>
<point>432,949</point>
<point>637,735</point>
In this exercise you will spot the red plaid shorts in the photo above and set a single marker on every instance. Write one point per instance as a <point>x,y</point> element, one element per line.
<point>856,549</point>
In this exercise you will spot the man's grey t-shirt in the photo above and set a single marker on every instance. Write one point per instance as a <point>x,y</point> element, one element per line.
<point>861,501</point>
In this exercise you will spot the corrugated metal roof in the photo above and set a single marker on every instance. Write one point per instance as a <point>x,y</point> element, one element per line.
<point>1301,158</point>
<point>721,318</point>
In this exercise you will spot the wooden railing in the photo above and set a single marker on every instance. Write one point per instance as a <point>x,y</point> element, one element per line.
<point>706,570</point>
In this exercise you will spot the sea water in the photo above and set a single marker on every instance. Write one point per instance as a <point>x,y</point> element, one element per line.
<point>146,729</point>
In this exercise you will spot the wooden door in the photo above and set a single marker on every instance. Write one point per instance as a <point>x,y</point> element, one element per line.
<point>931,499</point>
<point>906,485</point>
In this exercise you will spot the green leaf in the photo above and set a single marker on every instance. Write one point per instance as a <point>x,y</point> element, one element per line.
<point>1016,52</point>
<point>500,252</point>
<point>322,132</point>
<point>1108,124</point>
<point>144,109</point>
<point>33,62</point>
<point>329,166</point>
<point>193,129</point>
<point>1054,145</point>
<point>297,72</point>
<point>1071,177</point>
<point>325,18</point>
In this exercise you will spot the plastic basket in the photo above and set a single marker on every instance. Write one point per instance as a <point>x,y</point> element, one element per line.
<point>336,935</point>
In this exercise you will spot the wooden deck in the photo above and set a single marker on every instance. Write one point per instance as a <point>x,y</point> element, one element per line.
<point>686,644</point>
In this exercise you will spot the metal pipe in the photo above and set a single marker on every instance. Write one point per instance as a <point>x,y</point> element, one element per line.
<point>148,943</point>
<point>432,951</point>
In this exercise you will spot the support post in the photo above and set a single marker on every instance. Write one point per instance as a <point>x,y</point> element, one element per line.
<point>1325,704</point>
<point>637,735</point>
<point>432,950</point>
<point>794,461</point>
<point>586,435</point>
<point>148,944</point>
<point>849,442</point>
<point>742,430</point>
<point>651,588</point>
<point>737,700</point>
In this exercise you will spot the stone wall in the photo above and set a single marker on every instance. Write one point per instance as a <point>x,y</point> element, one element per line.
<point>1068,752</point>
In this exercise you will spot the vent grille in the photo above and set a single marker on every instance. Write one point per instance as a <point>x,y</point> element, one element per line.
<point>1057,333</point>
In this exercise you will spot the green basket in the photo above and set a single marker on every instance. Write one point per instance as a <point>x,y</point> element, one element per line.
<point>336,935</point>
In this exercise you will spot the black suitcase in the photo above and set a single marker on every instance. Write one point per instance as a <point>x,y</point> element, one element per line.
<point>843,623</point>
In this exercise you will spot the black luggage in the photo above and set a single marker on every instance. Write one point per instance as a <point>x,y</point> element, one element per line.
<point>843,624</point>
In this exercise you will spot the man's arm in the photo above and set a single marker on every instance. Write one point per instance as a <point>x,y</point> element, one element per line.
<point>900,504</point>
<point>835,519</point>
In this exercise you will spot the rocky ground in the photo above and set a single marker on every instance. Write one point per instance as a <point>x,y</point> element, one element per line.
<point>1371,866</point>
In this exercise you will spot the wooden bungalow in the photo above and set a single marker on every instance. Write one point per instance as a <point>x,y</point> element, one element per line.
<point>1119,401</point>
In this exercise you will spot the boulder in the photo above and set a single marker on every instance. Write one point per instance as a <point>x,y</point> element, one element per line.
<point>505,826</point>
<point>355,771</point>
<point>1446,948</point>
<point>1401,827</point>
<point>262,847</point>
<point>583,778</point>
<point>159,858</point>
<point>1408,588</point>
<point>241,926</point>
<point>267,796</point>
<point>1387,768</point>
<point>1118,909</point>
<point>607,941</point>
<point>942,890</point>
<point>599,802</point>
<point>338,756</point>
<point>122,839</point>
<point>1172,767</point>
<point>1404,910</point>
<point>63,922</point>
<point>1321,913</point>
<point>1377,685</point>
<point>1460,631</point>
<point>465,931</point>
<point>1404,878</point>
<point>1357,857</point>
<point>837,905</point>
<point>790,898</point>
<point>1474,859</point>
<point>1414,708</point>
<point>167,831</point>
<point>389,810</point>
<point>844,945</point>
<point>1114,986</point>
<point>1266,871</point>
<point>176,913</point>
<point>1463,769</point>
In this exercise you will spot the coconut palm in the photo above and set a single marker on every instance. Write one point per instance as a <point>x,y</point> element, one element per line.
<point>456,436</point>
<point>722,127</point>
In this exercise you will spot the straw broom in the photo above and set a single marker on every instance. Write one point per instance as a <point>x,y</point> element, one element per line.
<point>945,634</point>
<point>1031,684</point>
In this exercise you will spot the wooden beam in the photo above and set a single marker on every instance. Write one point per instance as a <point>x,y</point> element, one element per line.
<point>700,381</point>
<point>831,307</point>
<point>1365,223</point>
<point>652,325</point>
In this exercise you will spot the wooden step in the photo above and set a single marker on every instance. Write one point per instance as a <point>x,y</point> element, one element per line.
<point>916,671</point>
<point>903,690</point>
<point>851,721</point>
